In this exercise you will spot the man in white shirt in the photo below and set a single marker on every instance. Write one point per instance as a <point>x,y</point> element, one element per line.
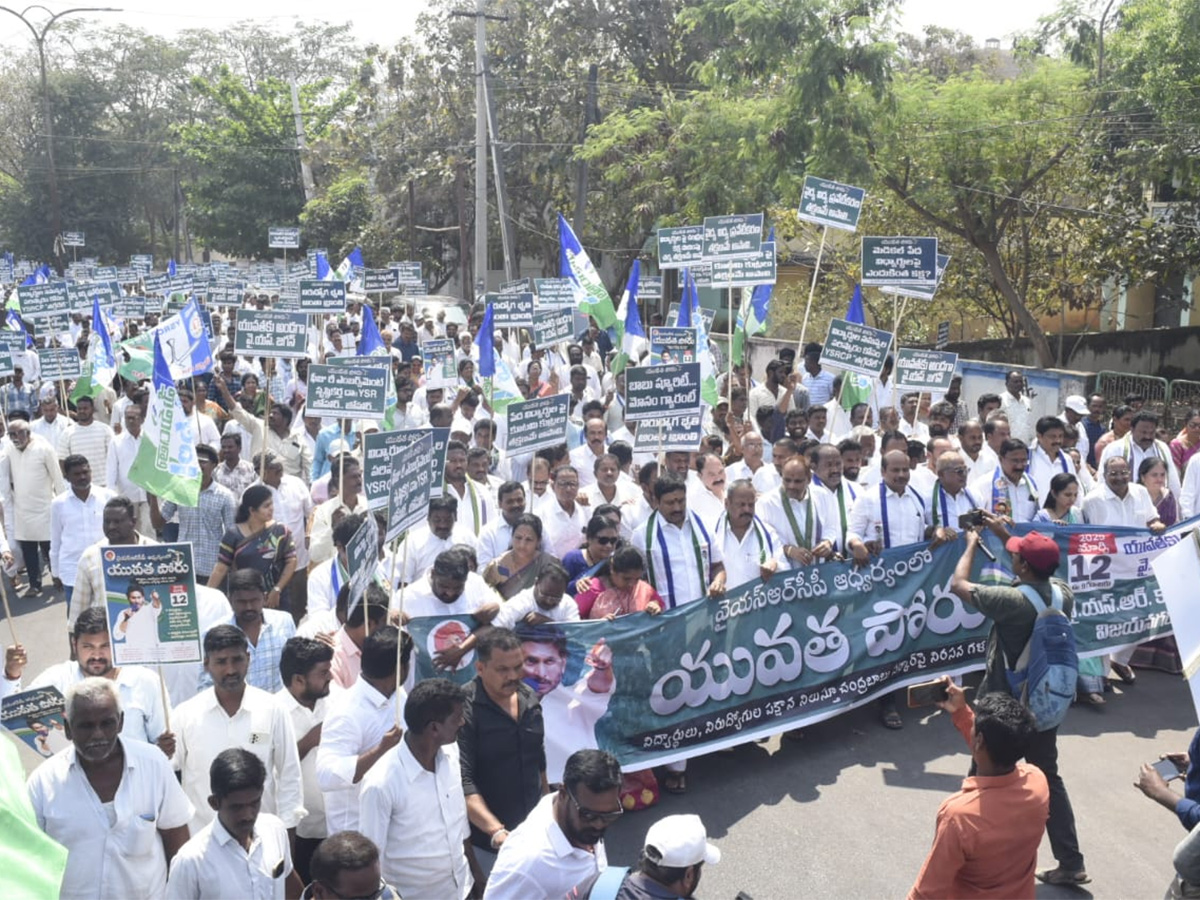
<point>683,561</point>
<point>412,803</point>
<point>1118,501</point>
<point>1140,444</point>
<point>449,588</point>
<point>561,843</point>
<point>240,852</point>
<point>1007,490</point>
<point>995,432</point>
<point>52,424</point>
<point>121,454</point>
<point>584,457</point>
<point>1017,407</point>
<point>1046,457</point>
<point>970,442</point>
<point>306,668</point>
<point>803,516</point>
<point>910,425</point>
<point>563,519</point>
<point>362,725</point>
<point>234,714</point>
<point>90,438</point>
<point>750,547</point>
<point>76,521</point>
<point>949,497</point>
<point>752,458</point>
<point>830,474</point>
<point>475,506</point>
<point>611,487</point>
<point>112,802</point>
<point>1189,496</point>
<point>496,537</point>
<point>422,545</point>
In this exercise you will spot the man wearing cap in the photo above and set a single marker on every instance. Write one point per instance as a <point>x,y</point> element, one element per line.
<point>1074,412</point>
<point>1035,557</point>
<point>675,852</point>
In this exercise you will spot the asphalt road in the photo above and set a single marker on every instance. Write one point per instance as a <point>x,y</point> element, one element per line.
<point>848,811</point>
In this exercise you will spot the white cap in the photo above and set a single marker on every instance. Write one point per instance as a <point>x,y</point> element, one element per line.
<point>680,841</point>
<point>1077,405</point>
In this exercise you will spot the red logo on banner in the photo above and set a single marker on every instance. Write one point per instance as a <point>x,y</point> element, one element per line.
<point>1102,542</point>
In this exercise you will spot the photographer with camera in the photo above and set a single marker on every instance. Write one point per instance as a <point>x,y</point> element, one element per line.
<point>1154,781</point>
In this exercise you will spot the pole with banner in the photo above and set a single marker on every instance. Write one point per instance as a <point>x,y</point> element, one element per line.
<point>826,204</point>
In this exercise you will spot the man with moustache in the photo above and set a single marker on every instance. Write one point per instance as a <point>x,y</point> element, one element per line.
<point>111,801</point>
<point>830,472</point>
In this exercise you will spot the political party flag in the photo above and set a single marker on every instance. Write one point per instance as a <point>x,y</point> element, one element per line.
<point>629,320</point>
<point>31,863</point>
<point>486,342</point>
<point>165,463</point>
<point>752,315</point>
<point>590,295</point>
<point>16,323</point>
<point>185,342</point>
<point>352,266</point>
<point>370,342</point>
<point>691,303</point>
<point>171,268</point>
<point>101,363</point>
<point>856,388</point>
<point>324,273</point>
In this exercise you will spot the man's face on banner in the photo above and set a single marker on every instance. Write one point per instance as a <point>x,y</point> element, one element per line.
<point>544,666</point>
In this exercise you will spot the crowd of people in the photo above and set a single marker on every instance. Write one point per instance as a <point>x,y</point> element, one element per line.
<point>302,756</point>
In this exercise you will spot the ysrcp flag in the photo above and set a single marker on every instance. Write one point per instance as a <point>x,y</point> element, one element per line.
<point>166,462</point>
<point>184,343</point>
<point>591,297</point>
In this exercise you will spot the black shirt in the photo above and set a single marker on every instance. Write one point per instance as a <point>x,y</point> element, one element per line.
<point>502,759</point>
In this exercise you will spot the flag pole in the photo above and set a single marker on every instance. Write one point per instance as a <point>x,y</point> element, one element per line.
<point>262,451</point>
<point>729,348</point>
<point>8,612</point>
<point>166,702</point>
<point>400,641</point>
<point>812,290</point>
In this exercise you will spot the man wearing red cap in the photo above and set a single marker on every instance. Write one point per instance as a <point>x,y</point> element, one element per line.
<point>1035,557</point>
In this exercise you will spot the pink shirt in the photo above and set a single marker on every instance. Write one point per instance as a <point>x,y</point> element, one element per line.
<point>347,659</point>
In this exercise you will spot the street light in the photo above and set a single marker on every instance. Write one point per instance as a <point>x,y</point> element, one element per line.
<point>39,38</point>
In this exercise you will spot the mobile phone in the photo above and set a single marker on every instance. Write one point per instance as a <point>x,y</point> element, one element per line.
<point>927,693</point>
<point>1167,769</point>
<point>970,519</point>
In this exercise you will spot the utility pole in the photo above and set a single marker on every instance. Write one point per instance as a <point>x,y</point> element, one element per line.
<point>507,233</point>
<point>460,194</point>
<point>39,38</point>
<point>590,117</point>
<point>412,221</point>
<point>310,190</point>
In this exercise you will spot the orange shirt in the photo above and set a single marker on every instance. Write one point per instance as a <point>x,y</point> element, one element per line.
<point>987,836</point>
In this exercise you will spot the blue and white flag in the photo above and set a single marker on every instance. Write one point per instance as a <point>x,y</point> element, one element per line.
<point>486,342</point>
<point>352,268</point>
<point>165,464</point>
<point>752,315</point>
<point>185,342</point>
<point>591,297</point>
<point>629,317</point>
<point>16,323</point>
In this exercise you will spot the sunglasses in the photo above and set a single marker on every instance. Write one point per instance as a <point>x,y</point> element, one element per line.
<point>605,541</point>
<point>591,815</point>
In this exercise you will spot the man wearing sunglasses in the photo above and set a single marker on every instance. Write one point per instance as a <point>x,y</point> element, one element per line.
<point>561,843</point>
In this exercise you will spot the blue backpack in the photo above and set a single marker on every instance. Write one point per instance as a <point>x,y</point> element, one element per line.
<point>1046,671</point>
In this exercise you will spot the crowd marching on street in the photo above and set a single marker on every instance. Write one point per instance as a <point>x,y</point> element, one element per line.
<point>303,756</point>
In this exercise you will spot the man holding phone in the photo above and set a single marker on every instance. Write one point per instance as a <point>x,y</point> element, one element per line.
<point>1153,782</point>
<point>1035,557</point>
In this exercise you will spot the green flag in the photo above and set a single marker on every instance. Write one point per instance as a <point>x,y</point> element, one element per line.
<point>31,863</point>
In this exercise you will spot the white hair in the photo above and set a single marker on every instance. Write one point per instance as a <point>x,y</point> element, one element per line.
<point>93,691</point>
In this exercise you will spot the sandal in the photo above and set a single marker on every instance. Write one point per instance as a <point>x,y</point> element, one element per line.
<point>1060,875</point>
<point>1126,674</point>
<point>675,783</point>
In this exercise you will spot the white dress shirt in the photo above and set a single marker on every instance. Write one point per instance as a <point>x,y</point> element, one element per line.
<point>1189,496</point>
<point>562,531</point>
<point>842,500</point>
<point>1133,454</point>
<point>676,567</point>
<point>1042,469</point>
<point>826,522</point>
<point>74,526</point>
<point>293,505</point>
<point>583,461</point>
<point>303,721</point>
<point>942,508</point>
<point>421,547</point>
<point>537,861</point>
<point>1019,411</point>
<point>137,688</point>
<point>521,604</point>
<point>418,820</point>
<point>475,505</point>
<point>203,730</point>
<point>358,719</point>
<point>744,558</point>
<point>705,504</point>
<point>1022,497</point>
<point>1102,507</point>
<point>214,866</point>
<point>905,514</point>
<point>419,599</point>
<point>121,453</point>
<point>915,431</point>
<point>494,541</point>
<point>922,480</point>
<point>124,859</point>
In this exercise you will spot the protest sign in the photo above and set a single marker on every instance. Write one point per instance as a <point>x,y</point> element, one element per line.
<point>129,308</point>
<point>320,298</point>
<point>650,287</point>
<point>553,325</point>
<point>60,363</point>
<point>36,719</point>
<point>855,348</point>
<point>440,364</point>
<point>283,238</point>
<point>554,292</point>
<point>672,345</point>
<point>73,239</point>
<point>407,272</point>
<point>81,295</point>
<point>709,316</point>
<point>228,293</point>
<point>512,310</point>
<point>150,596</point>
<point>926,292</point>
<point>157,284</point>
<point>362,558</point>
<point>45,299</point>
<point>682,432</point>
<point>943,335</point>
<point>534,424</point>
<point>654,392</point>
<point>732,236</point>
<point>355,390</point>
<point>13,341</point>
<point>411,486</point>
<point>830,204</point>
<point>517,286</point>
<point>899,261</point>
<point>924,370</point>
<point>680,248</point>
<point>746,271</point>
<point>809,644</point>
<point>381,281</point>
<point>381,446</point>
<point>142,261</point>
<point>268,332</point>
<point>6,361</point>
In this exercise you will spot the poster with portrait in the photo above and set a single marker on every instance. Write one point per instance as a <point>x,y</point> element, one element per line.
<point>150,593</point>
<point>36,718</point>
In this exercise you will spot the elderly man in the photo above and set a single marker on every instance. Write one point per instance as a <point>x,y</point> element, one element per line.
<point>563,518</point>
<point>1007,491</point>
<point>751,547</point>
<point>949,498</point>
<point>30,478</point>
<point>803,516</point>
<point>111,801</point>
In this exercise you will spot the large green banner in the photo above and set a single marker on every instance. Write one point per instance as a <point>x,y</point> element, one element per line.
<point>809,644</point>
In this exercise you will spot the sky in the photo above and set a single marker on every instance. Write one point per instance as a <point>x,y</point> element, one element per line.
<point>385,22</point>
